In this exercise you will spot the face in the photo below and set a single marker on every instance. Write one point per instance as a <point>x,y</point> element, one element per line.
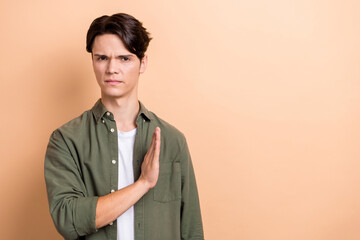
<point>116,69</point>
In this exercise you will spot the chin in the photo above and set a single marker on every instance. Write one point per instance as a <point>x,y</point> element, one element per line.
<point>117,92</point>
<point>112,94</point>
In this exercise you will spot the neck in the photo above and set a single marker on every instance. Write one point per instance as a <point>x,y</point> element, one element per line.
<point>125,111</point>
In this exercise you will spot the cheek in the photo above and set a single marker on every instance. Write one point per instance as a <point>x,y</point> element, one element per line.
<point>97,71</point>
<point>133,70</point>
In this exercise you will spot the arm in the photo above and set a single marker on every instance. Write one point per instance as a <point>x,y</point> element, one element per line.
<point>111,206</point>
<point>74,214</point>
<point>191,223</point>
<point>72,211</point>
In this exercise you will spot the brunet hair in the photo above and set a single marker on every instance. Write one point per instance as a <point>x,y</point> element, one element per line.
<point>132,33</point>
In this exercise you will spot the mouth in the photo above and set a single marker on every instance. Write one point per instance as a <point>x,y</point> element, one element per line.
<point>113,82</point>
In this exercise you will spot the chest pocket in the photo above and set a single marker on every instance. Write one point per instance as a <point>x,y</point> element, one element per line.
<point>168,186</point>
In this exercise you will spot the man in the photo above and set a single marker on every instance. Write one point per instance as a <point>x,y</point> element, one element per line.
<point>118,171</point>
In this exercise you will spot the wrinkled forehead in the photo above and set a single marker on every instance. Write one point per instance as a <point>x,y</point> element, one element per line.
<point>109,44</point>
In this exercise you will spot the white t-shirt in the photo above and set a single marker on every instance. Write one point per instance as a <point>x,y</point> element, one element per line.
<point>125,223</point>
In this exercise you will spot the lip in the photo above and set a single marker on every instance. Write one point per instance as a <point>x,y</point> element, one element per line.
<point>113,82</point>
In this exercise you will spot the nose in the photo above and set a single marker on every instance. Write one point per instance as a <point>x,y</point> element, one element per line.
<point>111,67</point>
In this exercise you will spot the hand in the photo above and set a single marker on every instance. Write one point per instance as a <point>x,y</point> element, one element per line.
<point>150,166</point>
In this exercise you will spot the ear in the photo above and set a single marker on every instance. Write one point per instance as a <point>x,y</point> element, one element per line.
<point>143,64</point>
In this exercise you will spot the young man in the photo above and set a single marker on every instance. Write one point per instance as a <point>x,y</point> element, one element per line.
<point>118,171</point>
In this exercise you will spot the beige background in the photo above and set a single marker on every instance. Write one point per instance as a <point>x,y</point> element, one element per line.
<point>267,93</point>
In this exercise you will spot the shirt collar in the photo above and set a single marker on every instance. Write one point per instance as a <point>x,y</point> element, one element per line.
<point>144,112</point>
<point>100,111</point>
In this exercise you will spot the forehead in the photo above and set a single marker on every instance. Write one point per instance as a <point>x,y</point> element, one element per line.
<point>109,43</point>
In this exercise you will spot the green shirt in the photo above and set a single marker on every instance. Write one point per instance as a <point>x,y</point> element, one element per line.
<point>81,164</point>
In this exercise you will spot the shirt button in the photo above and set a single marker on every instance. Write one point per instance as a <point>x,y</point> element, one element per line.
<point>144,120</point>
<point>103,121</point>
<point>112,190</point>
<point>108,114</point>
<point>112,130</point>
<point>111,223</point>
<point>113,161</point>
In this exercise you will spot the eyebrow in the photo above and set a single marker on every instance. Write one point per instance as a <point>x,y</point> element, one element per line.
<point>103,55</point>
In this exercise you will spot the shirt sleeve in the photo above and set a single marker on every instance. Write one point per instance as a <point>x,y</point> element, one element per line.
<point>72,211</point>
<point>191,223</point>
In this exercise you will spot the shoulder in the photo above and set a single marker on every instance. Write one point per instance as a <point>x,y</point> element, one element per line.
<point>173,142</point>
<point>168,132</point>
<point>73,128</point>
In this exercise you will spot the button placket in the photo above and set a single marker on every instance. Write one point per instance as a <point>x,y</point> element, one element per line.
<point>112,135</point>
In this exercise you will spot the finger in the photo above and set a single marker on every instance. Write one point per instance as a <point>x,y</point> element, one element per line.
<point>152,145</point>
<point>158,137</point>
<point>150,152</point>
<point>153,140</point>
<point>157,144</point>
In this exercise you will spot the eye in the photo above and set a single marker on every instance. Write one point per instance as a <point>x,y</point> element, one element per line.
<point>125,58</point>
<point>102,58</point>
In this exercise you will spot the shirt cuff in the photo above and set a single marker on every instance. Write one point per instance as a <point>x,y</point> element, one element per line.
<point>84,215</point>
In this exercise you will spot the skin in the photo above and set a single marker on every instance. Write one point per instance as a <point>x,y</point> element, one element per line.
<point>117,72</point>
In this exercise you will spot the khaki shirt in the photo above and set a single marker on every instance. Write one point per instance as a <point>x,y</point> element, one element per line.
<point>81,164</point>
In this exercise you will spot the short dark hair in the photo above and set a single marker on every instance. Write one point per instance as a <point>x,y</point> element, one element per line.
<point>130,30</point>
